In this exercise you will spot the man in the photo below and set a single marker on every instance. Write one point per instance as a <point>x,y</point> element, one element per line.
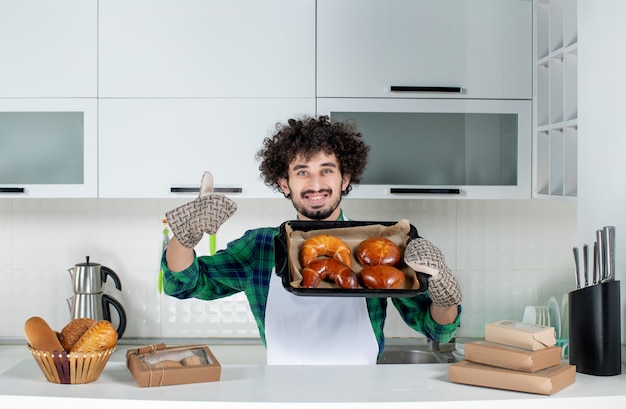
<point>313,162</point>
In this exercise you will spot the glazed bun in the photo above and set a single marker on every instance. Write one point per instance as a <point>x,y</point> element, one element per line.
<point>40,336</point>
<point>325,245</point>
<point>378,251</point>
<point>99,337</point>
<point>71,333</point>
<point>328,269</point>
<point>382,277</point>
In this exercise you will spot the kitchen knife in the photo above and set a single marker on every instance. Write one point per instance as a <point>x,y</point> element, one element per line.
<point>608,235</point>
<point>586,263</point>
<point>576,266</point>
<point>600,242</point>
<point>596,278</point>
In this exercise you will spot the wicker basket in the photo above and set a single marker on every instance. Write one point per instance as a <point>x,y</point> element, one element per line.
<point>71,367</point>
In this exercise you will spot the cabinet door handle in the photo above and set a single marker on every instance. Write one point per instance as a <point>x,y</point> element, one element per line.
<point>175,189</point>
<point>11,190</point>
<point>407,88</point>
<point>435,191</point>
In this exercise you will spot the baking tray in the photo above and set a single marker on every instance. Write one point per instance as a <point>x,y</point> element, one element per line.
<point>293,233</point>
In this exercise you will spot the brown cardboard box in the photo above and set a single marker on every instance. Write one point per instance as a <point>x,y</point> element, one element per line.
<point>158,365</point>
<point>505,356</point>
<point>520,334</point>
<point>544,382</point>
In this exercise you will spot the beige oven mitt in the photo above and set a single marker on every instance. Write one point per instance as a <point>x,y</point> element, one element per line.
<point>423,256</point>
<point>204,215</point>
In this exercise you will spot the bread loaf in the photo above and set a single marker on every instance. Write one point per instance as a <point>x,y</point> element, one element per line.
<point>99,337</point>
<point>40,336</point>
<point>71,333</point>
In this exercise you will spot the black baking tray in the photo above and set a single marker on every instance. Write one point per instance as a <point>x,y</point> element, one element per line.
<point>283,269</point>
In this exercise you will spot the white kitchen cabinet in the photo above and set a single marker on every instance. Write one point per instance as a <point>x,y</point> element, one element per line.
<point>199,48</point>
<point>555,102</point>
<point>151,147</point>
<point>48,147</point>
<point>48,48</point>
<point>440,148</point>
<point>483,47</point>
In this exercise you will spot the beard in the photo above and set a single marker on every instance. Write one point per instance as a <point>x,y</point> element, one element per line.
<point>316,213</point>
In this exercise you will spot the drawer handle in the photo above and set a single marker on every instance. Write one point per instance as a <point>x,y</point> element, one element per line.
<point>11,190</point>
<point>404,88</point>
<point>435,191</point>
<point>197,190</point>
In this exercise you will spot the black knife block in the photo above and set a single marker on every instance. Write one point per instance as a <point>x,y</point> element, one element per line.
<point>595,329</point>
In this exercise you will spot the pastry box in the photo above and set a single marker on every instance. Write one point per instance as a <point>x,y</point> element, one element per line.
<point>293,234</point>
<point>545,382</point>
<point>504,356</point>
<point>520,334</point>
<point>159,365</point>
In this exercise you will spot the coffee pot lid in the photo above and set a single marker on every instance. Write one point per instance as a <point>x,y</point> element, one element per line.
<point>87,263</point>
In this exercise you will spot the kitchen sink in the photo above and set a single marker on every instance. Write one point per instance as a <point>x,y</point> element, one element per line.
<point>427,352</point>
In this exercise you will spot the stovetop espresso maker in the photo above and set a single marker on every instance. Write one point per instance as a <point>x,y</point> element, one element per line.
<point>89,300</point>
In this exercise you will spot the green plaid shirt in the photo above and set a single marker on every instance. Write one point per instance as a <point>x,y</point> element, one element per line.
<point>246,264</point>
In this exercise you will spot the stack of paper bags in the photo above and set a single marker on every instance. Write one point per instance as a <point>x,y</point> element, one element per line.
<point>514,356</point>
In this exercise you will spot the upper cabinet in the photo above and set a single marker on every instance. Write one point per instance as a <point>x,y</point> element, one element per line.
<point>48,48</point>
<point>48,147</point>
<point>555,102</point>
<point>160,147</point>
<point>198,48</point>
<point>424,48</point>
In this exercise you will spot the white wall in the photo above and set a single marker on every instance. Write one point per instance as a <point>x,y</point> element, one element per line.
<point>601,128</point>
<point>506,254</point>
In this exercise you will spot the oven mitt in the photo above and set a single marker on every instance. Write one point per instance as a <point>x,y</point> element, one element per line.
<point>204,215</point>
<point>423,256</point>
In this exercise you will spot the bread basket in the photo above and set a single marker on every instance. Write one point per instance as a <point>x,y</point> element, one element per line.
<point>71,367</point>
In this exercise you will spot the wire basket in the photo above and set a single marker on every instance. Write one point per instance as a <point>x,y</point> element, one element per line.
<point>71,367</point>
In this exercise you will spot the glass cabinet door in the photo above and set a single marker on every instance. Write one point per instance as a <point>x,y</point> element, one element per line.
<point>477,149</point>
<point>48,148</point>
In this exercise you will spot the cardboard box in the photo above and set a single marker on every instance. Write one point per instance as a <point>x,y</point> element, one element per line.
<point>508,357</point>
<point>544,382</point>
<point>520,334</point>
<point>158,365</point>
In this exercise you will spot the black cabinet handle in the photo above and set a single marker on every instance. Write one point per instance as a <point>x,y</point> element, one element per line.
<point>197,190</point>
<point>11,190</point>
<point>404,88</point>
<point>435,191</point>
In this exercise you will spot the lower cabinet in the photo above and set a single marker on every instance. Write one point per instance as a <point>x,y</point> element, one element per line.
<point>159,148</point>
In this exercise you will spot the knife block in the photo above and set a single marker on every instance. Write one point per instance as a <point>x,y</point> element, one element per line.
<point>595,329</point>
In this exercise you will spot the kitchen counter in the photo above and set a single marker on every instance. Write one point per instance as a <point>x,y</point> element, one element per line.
<point>258,385</point>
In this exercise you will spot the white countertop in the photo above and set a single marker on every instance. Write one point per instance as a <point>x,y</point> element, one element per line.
<point>242,386</point>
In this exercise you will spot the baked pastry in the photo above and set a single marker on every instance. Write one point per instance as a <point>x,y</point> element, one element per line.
<point>382,277</point>
<point>99,337</point>
<point>71,333</point>
<point>192,360</point>
<point>166,363</point>
<point>325,245</point>
<point>378,250</point>
<point>331,270</point>
<point>40,336</point>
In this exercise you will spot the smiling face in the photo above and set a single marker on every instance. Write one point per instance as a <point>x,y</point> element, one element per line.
<point>315,186</point>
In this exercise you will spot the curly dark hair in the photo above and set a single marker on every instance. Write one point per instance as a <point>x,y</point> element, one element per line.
<point>308,137</point>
